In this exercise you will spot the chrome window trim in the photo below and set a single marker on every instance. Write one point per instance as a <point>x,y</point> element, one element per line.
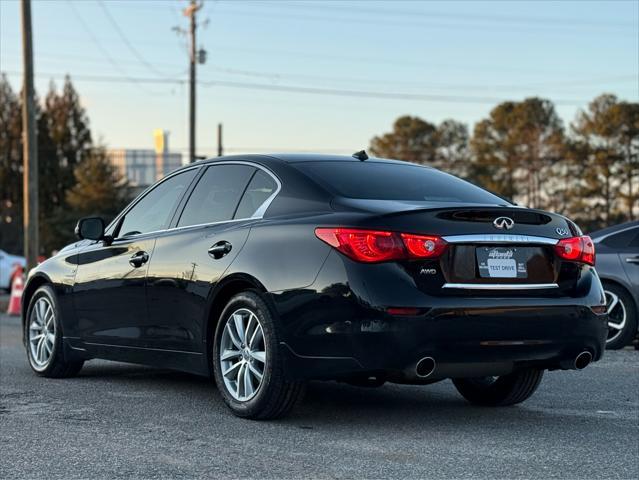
<point>501,286</point>
<point>259,213</point>
<point>500,238</point>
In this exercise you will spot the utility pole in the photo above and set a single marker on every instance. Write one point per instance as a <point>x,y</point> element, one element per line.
<point>220,148</point>
<point>30,144</point>
<point>191,12</point>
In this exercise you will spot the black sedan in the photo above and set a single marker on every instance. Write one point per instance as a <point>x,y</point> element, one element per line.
<point>266,271</point>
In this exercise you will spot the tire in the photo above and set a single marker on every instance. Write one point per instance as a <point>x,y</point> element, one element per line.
<point>267,397</point>
<point>623,314</point>
<point>46,353</point>
<point>500,391</point>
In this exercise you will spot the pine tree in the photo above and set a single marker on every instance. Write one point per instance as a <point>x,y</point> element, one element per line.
<point>10,168</point>
<point>99,187</point>
<point>517,150</point>
<point>69,130</point>
<point>495,159</point>
<point>600,131</point>
<point>412,139</point>
<point>453,148</point>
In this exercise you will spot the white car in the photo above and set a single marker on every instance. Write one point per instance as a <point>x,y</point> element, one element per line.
<point>7,268</point>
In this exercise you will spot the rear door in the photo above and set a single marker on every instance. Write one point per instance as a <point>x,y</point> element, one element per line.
<point>190,258</point>
<point>630,257</point>
<point>627,244</point>
<point>110,285</point>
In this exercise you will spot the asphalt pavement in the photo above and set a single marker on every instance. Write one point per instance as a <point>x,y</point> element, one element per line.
<point>116,420</point>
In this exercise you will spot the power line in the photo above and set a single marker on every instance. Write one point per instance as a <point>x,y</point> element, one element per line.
<point>370,94</point>
<point>104,51</point>
<point>317,90</point>
<point>274,76</point>
<point>126,41</point>
<point>492,18</point>
<point>396,23</point>
<point>278,76</point>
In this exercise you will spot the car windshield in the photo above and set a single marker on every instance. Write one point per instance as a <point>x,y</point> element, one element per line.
<point>395,181</point>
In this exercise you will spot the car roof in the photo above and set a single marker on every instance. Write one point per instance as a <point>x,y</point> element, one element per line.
<point>604,232</point>
<point>299,158</point>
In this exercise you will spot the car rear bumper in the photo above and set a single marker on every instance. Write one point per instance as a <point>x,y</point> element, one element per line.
<point>338,328</point>
<point>463,342</point>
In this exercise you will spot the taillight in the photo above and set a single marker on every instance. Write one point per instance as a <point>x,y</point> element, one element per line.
<point>424,246</point>
<point>576,249</point>
<point>373,246</point>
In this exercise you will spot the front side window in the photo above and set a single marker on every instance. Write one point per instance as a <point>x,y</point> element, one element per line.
<point>216,195</point>
<point>153,211</point>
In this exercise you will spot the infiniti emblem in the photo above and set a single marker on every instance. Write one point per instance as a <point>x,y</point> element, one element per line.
<point>504,223</point>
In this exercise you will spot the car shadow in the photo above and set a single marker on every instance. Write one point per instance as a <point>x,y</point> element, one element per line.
<point>334,404</point>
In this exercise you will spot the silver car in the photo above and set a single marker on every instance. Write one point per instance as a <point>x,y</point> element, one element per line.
<point>618,266</point>
<point>8,264</point>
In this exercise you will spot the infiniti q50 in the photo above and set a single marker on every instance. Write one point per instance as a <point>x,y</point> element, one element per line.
<point>266,271</point>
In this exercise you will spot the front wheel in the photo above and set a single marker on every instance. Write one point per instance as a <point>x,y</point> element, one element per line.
<point>247,364</point>
<point>500,391</point>
<point>44,337</point>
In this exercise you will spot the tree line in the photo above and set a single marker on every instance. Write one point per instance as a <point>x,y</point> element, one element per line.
<point>75,178</point>
<point>522,151</point>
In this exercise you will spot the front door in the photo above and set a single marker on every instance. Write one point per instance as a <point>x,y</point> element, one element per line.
<point>110,291</point>
<point>110,285</point>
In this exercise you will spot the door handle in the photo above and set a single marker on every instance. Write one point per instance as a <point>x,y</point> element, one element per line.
<point>632,260</point>
<point>220,249</point>
<point>139,259</point>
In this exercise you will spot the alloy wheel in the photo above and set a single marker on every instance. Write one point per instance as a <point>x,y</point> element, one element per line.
<point>617,315</point>
<point>243,354</point>
<point>42,333</point>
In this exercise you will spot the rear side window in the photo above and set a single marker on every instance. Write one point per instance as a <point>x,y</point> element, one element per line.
<point>626,239</point>
<point>259,190</point>
<point>216,195</point>
<point>392,181</point>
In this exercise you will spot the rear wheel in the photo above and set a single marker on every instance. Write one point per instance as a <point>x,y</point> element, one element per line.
<point>500,391</point>
<point>622,317</point>
<point>44,337</point>
<point>247,364</point>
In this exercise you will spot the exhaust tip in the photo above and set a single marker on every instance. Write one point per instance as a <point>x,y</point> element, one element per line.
<point>583,360</point>
<point>425,367</point>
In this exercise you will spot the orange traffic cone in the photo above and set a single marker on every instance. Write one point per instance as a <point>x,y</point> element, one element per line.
<point>17,286</point>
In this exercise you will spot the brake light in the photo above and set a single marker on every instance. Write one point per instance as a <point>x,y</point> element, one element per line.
<point>373,246</point>
<point>577,249</point>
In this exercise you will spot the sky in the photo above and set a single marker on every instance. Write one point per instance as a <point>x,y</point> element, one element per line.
<point>323,76</point>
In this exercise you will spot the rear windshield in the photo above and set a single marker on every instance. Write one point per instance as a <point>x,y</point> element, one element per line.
<point>394,181</point>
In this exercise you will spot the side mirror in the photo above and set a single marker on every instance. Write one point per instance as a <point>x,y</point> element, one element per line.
<point>90,228</point>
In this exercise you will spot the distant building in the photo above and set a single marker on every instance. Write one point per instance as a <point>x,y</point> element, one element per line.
<point>143,167</point>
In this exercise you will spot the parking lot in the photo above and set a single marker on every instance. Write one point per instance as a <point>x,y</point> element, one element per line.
<point>118,420</point>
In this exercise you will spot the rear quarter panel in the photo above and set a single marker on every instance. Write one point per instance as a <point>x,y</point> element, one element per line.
<point>282,254</point>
